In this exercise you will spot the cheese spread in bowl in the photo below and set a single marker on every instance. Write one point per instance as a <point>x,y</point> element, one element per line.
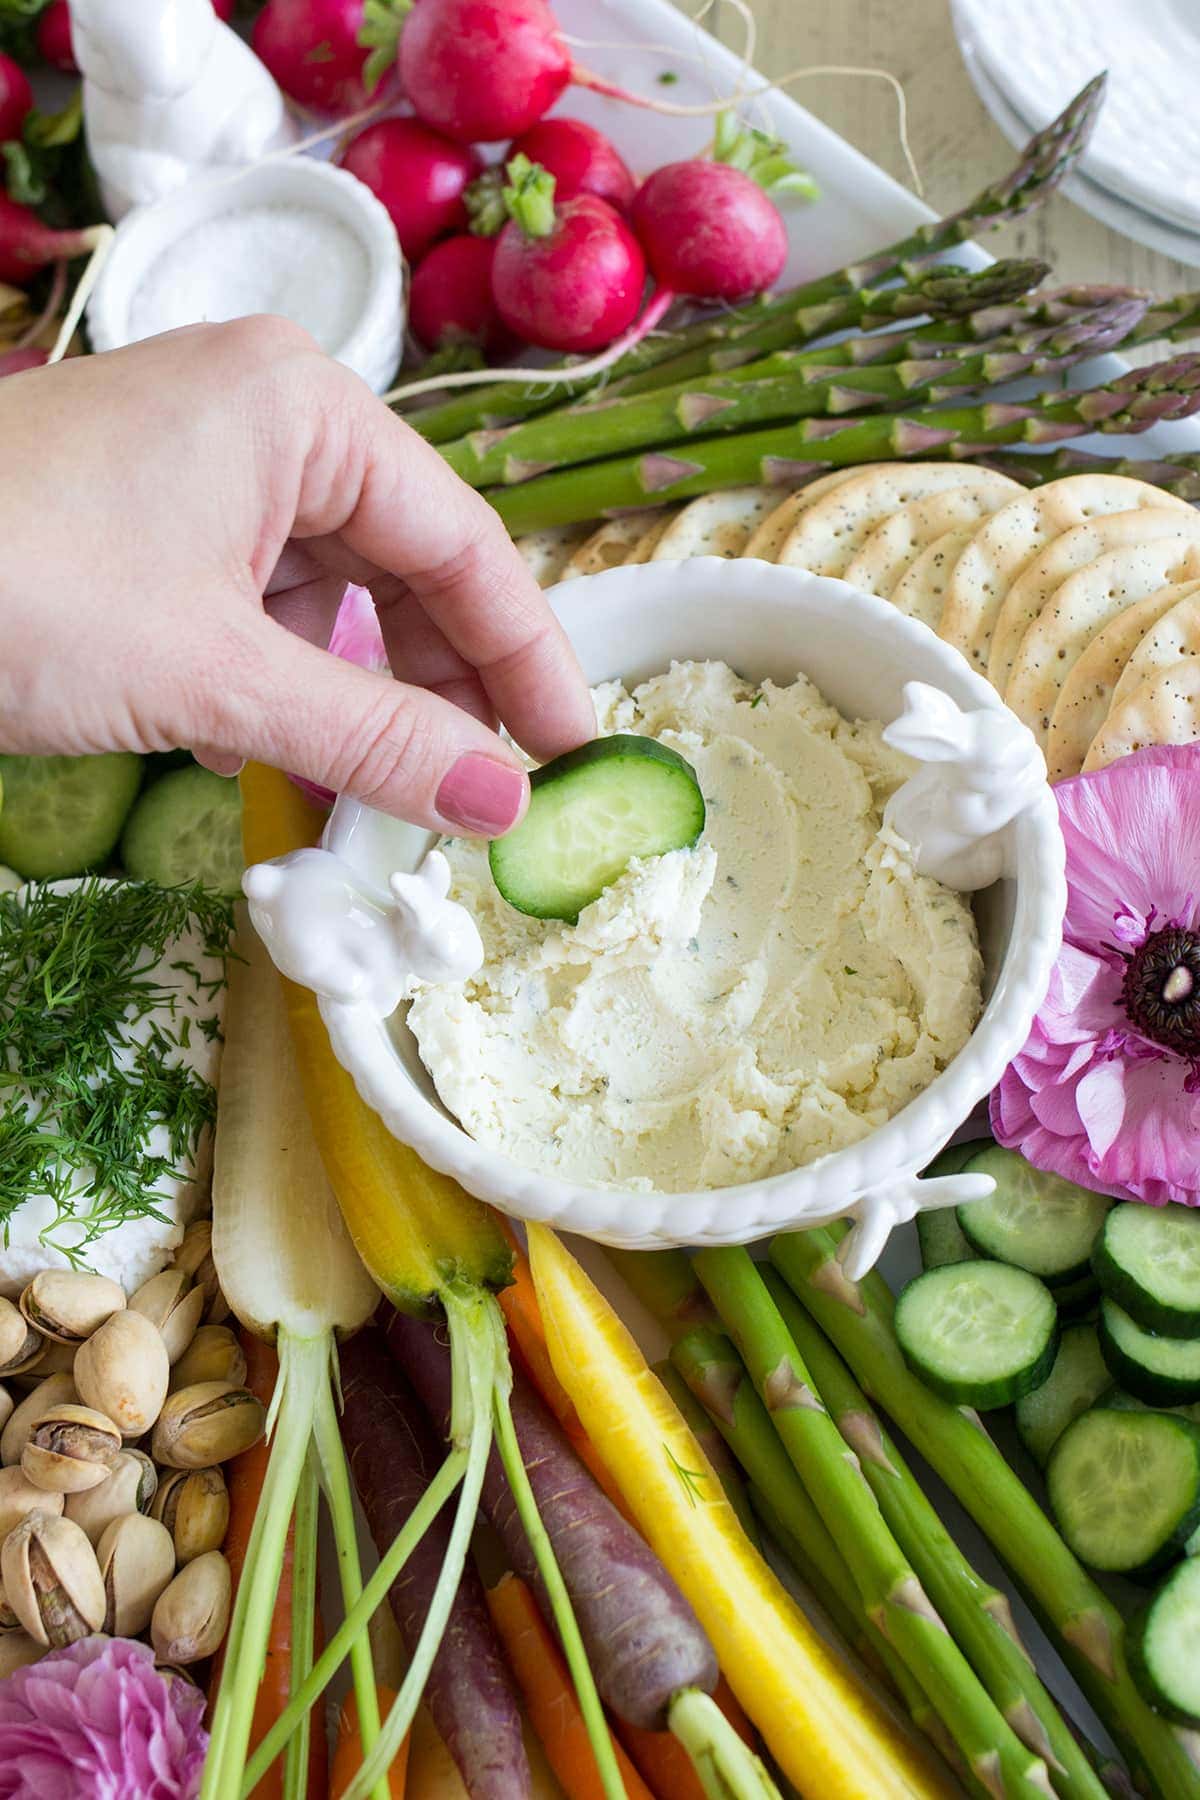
<point>727,1012</point>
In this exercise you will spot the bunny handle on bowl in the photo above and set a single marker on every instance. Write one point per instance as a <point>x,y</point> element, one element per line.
<point>979,770</point>
<point>330,929</point>
<point>877,1213</point>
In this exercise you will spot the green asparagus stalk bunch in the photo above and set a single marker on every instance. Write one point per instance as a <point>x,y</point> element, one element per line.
<point>1179,475</point>
<point>891,1592</point>
<point>1042,165</point>
<point>787,455</point>
<point>791,385</point>
<point>857,1317</point>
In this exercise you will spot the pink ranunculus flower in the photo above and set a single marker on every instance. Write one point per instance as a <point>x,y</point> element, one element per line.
<point>97,1721</point>
<point>1107,1088</point>
<point>356,638</point>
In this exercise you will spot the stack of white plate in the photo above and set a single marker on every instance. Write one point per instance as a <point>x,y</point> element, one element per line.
<point>1141,172</point>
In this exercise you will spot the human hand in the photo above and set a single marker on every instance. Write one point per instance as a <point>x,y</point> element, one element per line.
<point>180,520</point>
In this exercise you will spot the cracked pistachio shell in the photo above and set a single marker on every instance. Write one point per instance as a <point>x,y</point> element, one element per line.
<point>8,1618</point>
<point>19,1497</point>
<point>70,1448</point>
<point>193,1504</point>
<point>69,1304</point>
<point>17,1651</point>
<point>52,1580</point>
<point>191,1616</point>
<point>194,1256</point>
<point>207,1423</point>
<point>55,1390</point>
<point>123,1372</point>
<point>131,1486</point>
<point>214,1354</point>
<point>137,1560</point>
<point>173,1306</point>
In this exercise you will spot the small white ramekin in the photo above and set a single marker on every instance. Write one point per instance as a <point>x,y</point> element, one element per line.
<point>374,344</point>
<point>765,622</point>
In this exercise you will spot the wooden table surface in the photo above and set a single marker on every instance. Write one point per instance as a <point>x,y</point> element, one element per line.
<point>956,146</point>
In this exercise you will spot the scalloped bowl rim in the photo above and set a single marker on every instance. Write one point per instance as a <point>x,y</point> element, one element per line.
<point>830,1186</point>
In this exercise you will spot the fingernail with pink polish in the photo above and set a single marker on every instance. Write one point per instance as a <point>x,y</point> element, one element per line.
<point>481,795</point>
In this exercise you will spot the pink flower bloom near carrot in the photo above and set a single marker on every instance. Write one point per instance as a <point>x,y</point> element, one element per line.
<point>1107,1088</point>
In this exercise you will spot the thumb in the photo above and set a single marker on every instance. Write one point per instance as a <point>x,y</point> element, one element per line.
<point>399,748</point>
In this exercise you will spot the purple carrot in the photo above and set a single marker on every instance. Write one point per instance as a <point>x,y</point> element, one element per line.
<point>393,1456</point>
<point>643,1640</point>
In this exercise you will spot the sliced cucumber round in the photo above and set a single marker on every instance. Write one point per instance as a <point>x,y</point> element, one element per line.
<point>1036,1221</point>
<point>1079,1378</point>
<point>1164,1371</point>
<point>62,815</point>
<point>590,813</point>
<point>1120,1401</point>
<point>187,827</point>
<point>1148,1259</point>
<point>1163,1646</point>
<point>978,1333</point>
<point>1125,1488</point>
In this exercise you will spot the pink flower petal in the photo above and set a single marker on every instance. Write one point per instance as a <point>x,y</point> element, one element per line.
<point>1132,832</point>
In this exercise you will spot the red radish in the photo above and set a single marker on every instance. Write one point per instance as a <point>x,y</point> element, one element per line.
<point>580,158</point>
<point>15,362</point>
<point>565,277</point>
<point>27,245</point>
<point>54,37</point>
<point>450,300</point>
<point>224,9</point>
<point>418,175</point>
<point>311,48</point>
<point>709,231</point>
<point>483,69</point>
<point>16,98</point>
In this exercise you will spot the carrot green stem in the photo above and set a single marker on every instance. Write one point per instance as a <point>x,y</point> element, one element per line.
<point>726,1767</point>
<point>560,1601</point>
<point>304,1612</point>
<point>303,1369</point>
<point>335,1478</point>
<point>374,1593</point>
<point>470,1320</point>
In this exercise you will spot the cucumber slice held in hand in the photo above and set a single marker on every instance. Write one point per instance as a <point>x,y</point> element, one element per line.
<point>1125,1488</point>
<point>590,813</point>
<point>62,815</point>
<point>186,828</point>
<point>978,1333</point>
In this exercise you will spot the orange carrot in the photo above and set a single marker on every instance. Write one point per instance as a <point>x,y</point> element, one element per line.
<point>246,1474</point>
<point>542,1677</point>
<point>663,1761</point>
<point>348,1757</point>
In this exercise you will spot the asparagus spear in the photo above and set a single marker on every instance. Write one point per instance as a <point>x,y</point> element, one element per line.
<point>857,1316</point>
<point>976,1613</point>
<point>1176,474</point>
<point>712,1443</point>
<point>790,454</point>
<point>889,1589</point>
<point>813,384</point>
<point>1043,163</point>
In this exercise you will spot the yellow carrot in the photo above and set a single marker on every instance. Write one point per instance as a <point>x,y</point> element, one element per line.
<point>829,1736</point>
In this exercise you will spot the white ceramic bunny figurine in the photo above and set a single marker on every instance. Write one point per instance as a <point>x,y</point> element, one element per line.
<point>981,769</point>
<point>331,931</point>
<point>169,92</point>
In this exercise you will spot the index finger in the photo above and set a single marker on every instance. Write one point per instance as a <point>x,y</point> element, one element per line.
<point>394,502</point>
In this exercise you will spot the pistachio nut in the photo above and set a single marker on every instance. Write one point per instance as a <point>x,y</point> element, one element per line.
<point>70,1448</point>
<point>193,1504</point>
<point>55,1390</point>
<point>123,1372</point>
<point>69,1304</point>
<point>7,1404</point>
<point>207,1423</point>
<point>18,1496</point>
<point>17,1651</point>
<point>52,1580</point>
<point>131,1487</point>
<point>52,1359</point>
<point>14,1330</point>
<point>214,1354</point>
<point>137,1560</point>
<point>172,1672</point>
<point>191,1615</point>
<point>194,1257</point>
<point>173,1306</point>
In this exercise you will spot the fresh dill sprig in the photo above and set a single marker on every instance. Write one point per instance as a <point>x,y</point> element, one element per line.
<point>97,1105</point>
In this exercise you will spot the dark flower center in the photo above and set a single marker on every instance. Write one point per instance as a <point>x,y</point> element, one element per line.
<point>1161,990</point>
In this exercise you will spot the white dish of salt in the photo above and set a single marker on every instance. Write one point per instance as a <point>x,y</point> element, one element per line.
<point>292,236</point>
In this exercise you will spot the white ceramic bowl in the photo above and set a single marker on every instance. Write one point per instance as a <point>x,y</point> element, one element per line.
<point>372,336</point>
<point>765,622</point>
